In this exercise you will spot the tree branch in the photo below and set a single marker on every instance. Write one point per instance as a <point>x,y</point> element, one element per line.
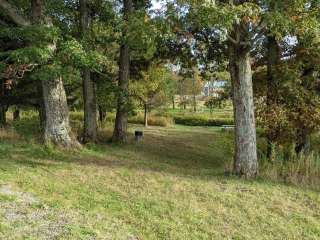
<point>231,39</point>
<point>12,12</point>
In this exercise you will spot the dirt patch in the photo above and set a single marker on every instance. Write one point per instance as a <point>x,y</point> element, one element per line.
<point>26,217</point>
<point>23,197</point>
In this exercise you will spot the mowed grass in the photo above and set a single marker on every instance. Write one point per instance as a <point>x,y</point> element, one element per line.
<point>170,186</point>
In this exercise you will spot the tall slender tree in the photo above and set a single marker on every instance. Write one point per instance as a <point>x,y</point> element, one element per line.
<point>121,122</point>
<point>89,88</point>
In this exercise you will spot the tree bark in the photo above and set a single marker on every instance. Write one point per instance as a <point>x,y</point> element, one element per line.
<point>89,89</point>
<point>145,115</point>
<point>121,122</point>
<point>90,109</point>
<point>245,162</point>
<point>57,129</point>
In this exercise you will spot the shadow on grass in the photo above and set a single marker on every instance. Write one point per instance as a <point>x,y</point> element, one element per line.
<point>200,153</point>
<point>180,151</point>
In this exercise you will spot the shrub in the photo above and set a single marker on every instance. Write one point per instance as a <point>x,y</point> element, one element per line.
<point>76,116</point>
<point>201,121</point>
<point>300,170</point>
<point>152,120</point>
<point>166,119</point>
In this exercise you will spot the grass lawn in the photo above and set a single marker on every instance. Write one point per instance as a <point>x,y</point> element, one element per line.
<point>170,186</point>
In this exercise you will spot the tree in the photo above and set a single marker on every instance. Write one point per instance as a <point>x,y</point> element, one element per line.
<point>236,20</point>
<point>246,162</point>
<point>238,27</point>
<point>218,100</point>
<point>152,89</point>
<point>57,128</point>
<point>121,122</point>
<point>288,80</point>
<point>89,88</point>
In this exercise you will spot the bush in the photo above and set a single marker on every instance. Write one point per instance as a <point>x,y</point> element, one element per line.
<point>299,170</point>
<point>202,121</point>
<point>152,120</point>
<point>76,116</point>
<point>166,119</point>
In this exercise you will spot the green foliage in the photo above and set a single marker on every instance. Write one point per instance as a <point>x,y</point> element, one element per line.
<point>72,52</point>
<point>29,55</point>
<point>54,71</point>
<point>107,93</point>
<point>3,66</point>
<point>42,38</point>
<point>294,109</point>
<point>153,87</point>
<point>219,100</point>
<point>214,102</point>
<point>38,35</point>
<point>141,35</point>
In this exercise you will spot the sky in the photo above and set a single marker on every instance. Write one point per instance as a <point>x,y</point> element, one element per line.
<point>157,4</point>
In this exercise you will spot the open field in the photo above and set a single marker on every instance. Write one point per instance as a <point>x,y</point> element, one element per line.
<point>171,186</point>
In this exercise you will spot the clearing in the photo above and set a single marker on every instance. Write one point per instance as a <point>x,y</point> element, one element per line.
<point>170,186</point>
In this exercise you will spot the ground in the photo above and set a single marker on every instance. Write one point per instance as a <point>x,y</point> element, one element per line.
<point>173,185</point>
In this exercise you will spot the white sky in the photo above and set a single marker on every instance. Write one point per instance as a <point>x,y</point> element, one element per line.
<point>157,4</point>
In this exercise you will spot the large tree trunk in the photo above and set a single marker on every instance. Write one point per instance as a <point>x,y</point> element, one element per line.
<point>89,91</point>
<point>273,56</point>
<point>121,122</point>
<point>245,162</point>
<point>57,127</point>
